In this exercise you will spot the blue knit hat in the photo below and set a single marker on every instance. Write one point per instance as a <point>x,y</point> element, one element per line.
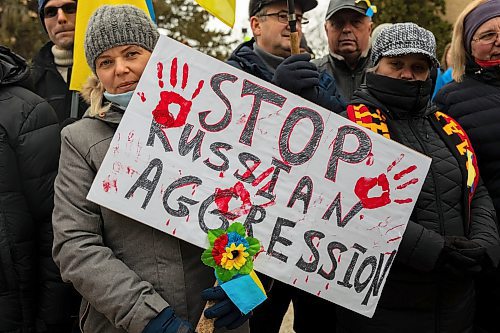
<point>41,6</point>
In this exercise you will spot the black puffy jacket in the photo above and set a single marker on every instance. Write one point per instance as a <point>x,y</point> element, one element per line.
<point>49,84</point>
<point>417,297</point>
<point>475,104</point>
<point>33,297</point>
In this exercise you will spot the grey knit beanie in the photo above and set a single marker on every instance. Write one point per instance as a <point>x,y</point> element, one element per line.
<point>118,25</point>
<point>402,39</point>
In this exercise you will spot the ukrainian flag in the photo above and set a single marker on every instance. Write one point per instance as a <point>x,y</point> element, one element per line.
<point>85,9</point>
<point>246,291</point>
<point>224,10</point>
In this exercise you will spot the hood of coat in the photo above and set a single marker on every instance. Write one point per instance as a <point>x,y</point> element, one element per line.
<point>13,68</point>
<point>93,93</point>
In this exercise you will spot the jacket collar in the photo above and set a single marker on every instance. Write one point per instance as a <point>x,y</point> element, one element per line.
<point>100,108</point>
<point>400,99</point>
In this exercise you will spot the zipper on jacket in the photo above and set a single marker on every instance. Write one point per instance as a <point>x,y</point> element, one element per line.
<point>84,317</point>
<point>434,179</point>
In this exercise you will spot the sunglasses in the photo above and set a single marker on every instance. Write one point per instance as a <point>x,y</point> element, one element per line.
<point>68,8</point>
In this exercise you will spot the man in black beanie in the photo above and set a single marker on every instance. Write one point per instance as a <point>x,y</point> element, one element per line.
<point>51,72</point>
<point>268,56</point>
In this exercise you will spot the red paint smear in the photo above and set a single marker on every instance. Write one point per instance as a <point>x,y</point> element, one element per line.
<point>361,216</point>
<point>222,198</point>
<point>317,245</point>
<point>131,171</point>
<point>173,232</point>
<point>142,96</point>
<point>318,293</point>
<point>370,159</point>
<point>250,170</point>
<point>159,70</point>
<point>221,174</point>
<point>338,259</point>
<point>307,278</point>
<point>394,239</point>
<point>327,286</point>
<point>198,89</point>
<point>131,136</point>
<point>187,218</point>
<point>260,251</point>
<point>267,204</point>
<point>365,184</point>
<point>266,187</point>
<point>168,222</point>
<point>403,201</point>
<point>173,72</point>
<point>294,281</point>
<point>263,176</point>
<point>410,182</point>
<point>107,185</point>
<point>311,258</point>
<point>185,75</point>
<point>406,171</point>
<point>398,226</point>
<point>393,164</point>
<point>162,114</point>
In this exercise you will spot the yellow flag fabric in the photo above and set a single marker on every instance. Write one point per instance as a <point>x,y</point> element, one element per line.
<point>224,10</point>
<point>81,71</point>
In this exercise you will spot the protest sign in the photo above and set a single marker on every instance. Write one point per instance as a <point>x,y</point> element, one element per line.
<point>203,144</point>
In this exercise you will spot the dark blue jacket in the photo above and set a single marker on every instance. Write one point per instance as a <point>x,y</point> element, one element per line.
<point>244,58</point>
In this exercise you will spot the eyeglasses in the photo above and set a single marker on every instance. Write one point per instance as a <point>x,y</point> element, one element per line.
<point>68,8</point>
<point>283,17</point>
<point>487,38</point>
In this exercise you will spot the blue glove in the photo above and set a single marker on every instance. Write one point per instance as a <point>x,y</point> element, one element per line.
<point>227,314</point>
<point>167,322</point>
<point>296,73</point>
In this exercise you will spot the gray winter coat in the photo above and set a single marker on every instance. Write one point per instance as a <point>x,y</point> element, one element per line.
<point>126,271</point>
<point>346,78</point>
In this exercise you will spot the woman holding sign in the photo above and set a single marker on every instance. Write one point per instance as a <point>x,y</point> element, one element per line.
<point>131,276</point>
<point>452,229</point>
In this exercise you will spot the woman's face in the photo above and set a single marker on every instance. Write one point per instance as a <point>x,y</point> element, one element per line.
<point>409,67</point>
<point>120,68</point>
<point>485,43</point>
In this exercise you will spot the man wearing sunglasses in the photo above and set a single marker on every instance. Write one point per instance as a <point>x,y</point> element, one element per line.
<point>348,27</point>
<point>52,65</point>
<point>268,54</point>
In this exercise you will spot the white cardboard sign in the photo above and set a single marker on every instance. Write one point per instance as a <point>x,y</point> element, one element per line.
<point>203,144</point>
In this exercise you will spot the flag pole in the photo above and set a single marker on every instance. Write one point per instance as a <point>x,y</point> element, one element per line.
<point>292,22</point>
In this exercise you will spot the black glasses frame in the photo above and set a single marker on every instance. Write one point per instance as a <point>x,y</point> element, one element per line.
<point>67,8</point>
<point>282,17</point>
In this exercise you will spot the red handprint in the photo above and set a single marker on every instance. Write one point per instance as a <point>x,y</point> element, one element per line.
<point>365,184</point>
<point>163,111</point>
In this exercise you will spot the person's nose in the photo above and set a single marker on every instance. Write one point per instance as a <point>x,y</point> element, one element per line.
<point>347,28</point>
<point>121,67</point>
<point>406,74</point>
<point>497,40</point>
<point>61,16</point>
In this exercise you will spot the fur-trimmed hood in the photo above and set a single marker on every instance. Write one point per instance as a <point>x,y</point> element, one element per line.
<point>93,93</point>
